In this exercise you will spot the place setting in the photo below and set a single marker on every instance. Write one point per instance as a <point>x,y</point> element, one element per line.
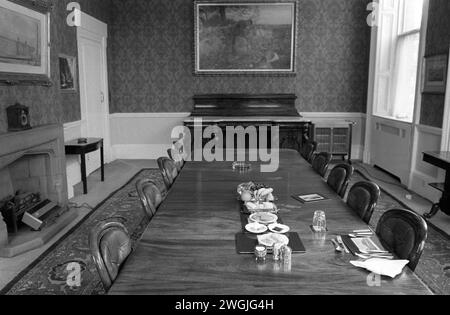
<point>370,254</point>
<point>261,222</point>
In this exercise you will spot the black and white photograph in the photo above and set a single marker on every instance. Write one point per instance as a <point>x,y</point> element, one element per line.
<point>225,155</point>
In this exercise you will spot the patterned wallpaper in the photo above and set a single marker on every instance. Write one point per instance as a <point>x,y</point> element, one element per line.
<point>48,105</point>
<point>438,42</point>
<point>151,64</point>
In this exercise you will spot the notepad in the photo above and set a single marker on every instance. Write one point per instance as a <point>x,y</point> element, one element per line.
<point>309,198</point>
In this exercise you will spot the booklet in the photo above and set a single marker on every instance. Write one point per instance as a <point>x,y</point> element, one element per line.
<point>309,198</point>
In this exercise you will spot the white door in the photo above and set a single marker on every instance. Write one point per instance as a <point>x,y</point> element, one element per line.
<point>92,37</point>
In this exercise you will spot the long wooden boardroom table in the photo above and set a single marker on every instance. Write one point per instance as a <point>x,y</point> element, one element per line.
<point>189,246</point>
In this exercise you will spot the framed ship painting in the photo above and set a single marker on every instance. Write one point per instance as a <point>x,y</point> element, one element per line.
<point>245,37</point>
<point>24,42</point>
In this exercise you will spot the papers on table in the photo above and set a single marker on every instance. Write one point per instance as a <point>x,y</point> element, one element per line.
<point>365,245</point>
<point>309,198</point>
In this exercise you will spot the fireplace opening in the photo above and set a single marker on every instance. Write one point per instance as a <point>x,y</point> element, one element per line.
<point>29,191</point>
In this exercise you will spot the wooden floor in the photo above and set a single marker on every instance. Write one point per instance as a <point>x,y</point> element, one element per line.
<point>189,247</point>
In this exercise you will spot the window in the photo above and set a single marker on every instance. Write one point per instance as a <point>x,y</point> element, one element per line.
<point>397,58</point>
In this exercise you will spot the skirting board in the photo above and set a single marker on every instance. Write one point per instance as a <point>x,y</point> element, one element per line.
<point>139,151</point>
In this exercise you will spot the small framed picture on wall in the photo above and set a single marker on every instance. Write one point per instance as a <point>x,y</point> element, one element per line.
<point>435,76</point>
<point>68,73</point>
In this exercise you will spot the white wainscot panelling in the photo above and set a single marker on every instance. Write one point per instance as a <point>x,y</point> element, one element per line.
<point>391,146</point>
<point>72,131</point>
<point>429,139</point>
<point>143,135</point>
<point>147,135</point>
<point>358,129</point>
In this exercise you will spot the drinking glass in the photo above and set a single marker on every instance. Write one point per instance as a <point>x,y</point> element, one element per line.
<point>320,221</point>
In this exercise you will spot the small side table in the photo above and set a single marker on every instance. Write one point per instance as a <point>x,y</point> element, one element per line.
<point>92,144</point>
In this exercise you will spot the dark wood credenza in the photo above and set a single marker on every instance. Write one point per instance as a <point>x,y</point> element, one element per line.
<point>253,110</point>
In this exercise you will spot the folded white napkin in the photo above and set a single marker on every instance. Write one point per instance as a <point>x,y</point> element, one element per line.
<point>262,206</point>
<point>383,267</point>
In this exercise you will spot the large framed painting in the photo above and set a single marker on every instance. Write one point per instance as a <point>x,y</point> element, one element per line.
<point>24,42</point>
<point>245,37</point>
<point>435,77</point>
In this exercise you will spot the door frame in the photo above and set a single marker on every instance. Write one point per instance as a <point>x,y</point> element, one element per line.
<point>445,146</point>
<point>93,29</point>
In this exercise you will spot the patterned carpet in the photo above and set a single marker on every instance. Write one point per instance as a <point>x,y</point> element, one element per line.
<point>48,274</point>
<point>434,265</point>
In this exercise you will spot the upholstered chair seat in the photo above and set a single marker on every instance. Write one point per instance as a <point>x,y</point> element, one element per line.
<point>404,233</point>
<point>110,247</point>
<point>320,163</point>
<point>363,198</point>
<point>339,178</point>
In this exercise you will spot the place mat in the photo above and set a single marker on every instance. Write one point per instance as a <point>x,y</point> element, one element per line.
<point>352,246</point>
<point>245,243</point>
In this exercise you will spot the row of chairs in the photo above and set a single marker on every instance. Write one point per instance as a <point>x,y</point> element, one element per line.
<point>110,241</point>
<point>402,231</point>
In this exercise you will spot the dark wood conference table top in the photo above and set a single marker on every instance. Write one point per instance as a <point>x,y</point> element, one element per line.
<point>189,246</point>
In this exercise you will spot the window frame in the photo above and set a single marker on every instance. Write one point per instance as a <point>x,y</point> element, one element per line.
<point>398,34</point>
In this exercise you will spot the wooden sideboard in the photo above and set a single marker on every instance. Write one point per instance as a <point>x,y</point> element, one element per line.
<point>252,110</point>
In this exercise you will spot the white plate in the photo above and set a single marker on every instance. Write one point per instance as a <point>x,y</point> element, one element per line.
<point>264,218</point>
<point>270,239</point>
<point>256,228</point>
<point>279,228</point>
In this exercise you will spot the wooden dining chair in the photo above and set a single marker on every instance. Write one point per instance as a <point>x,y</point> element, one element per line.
<point>110,246</point>
<point>339,178</point>
<point>404,233</point>
<point>363,198</point>
<point>150,196</point>
<point>320,163</point>
<point>179,162</point>
<point>308,150</point>
<point>168,170</point>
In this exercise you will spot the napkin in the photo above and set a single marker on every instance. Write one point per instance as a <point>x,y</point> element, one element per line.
<point>383,267</point>
<point>262,206</point>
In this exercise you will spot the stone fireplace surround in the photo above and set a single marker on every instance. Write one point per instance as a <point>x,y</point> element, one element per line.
<point>39,154</point>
